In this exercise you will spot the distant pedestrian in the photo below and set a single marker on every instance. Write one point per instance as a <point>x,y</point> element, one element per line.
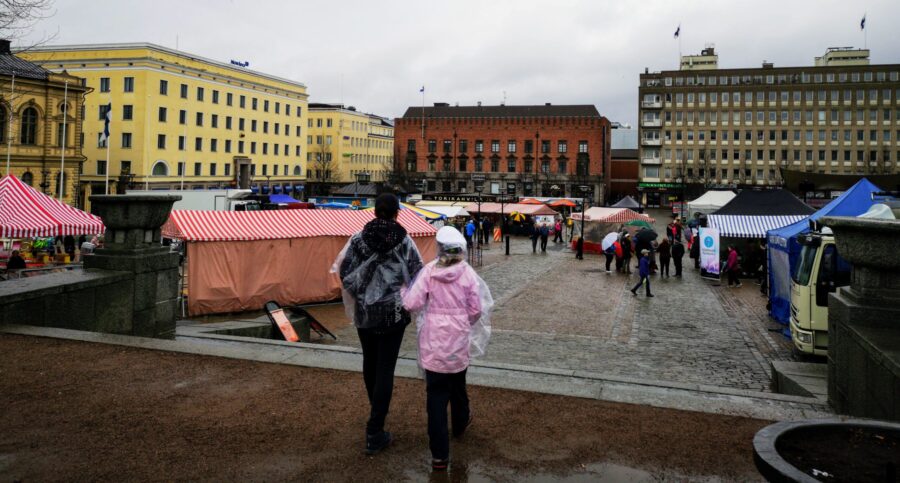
<point>674,231</point>
<point>557,232</point>
<point>570,224</point>
<point>677,255</point>
<point>695,250</point>
<point>610,254</point>
<point>470,232</point>
<point>665,254</point>
<point>732,267</point>
<point>535,235</point>
<point>15,262</point>
<point>654,249</point>
<point>617,246</point>
<point>545,235</point>
<point>376,263</point>
<point>454,326</point>
<point>644,273</point>
<point>626,253</point>
<point>488,228</point>
<point>763,269</point>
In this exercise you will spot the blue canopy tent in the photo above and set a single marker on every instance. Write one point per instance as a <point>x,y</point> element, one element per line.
<point>784,250</point>
<point>282,199</point>
<point>335,206</point>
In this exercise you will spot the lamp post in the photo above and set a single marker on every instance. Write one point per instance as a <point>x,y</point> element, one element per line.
<point>584,192</point>
<point>361,178</point>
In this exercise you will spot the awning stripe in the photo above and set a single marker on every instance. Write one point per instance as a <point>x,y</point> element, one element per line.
<point>26,212</point>
<point>750,226</point>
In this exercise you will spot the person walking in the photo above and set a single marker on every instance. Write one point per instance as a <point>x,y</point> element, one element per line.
<point>617,246</point>
<point>626,253</point>
<point>470,232</point>
<point>453,326</point>
<point>488,229</point>
<point>763,269</point>
<point>535,234</point>
<point>376,263</point>
<point>677,255</point>
<point>732,266</point>
<point>644,273</point>
<point>665,254</point>
<point>674,231</point>
<point>557,232</point>
<point>570,224</point>
<point>695,250</point>
<point>545,235</point>
<point>15,263</point>
<point>610,253</point>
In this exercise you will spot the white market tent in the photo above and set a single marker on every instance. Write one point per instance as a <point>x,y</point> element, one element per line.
<point>710,202</point>
<point>448,211</point>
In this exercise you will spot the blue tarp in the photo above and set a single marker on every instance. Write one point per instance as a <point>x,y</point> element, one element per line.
<point>282,199</point>
<point>784,250</point>
<point>254,189</point>
<point>335,206</point>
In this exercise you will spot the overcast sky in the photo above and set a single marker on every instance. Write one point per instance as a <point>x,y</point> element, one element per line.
<point>375,55</point>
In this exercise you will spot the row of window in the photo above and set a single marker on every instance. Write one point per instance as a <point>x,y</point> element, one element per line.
<point>353,125</point>
<point>821,116</point>
<point>511,146</point>
<point>801,78</point>
<point>735,174</point>
<point>353,158</point>
<point>128,86</point>
<point>161,168</point>
<point>496,188</point>
<point>562,166</point>
<point>782,97</point>
<point>796,135</point>
<point>750,155</point>
<point>199,117</point>
<point>162,142</point>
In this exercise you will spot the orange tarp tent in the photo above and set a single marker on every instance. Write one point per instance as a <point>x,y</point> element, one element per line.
<point>238,261</point>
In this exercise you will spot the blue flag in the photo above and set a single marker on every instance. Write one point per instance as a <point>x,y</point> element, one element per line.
<point>105,136</point>
<point>677,31</point>
<point>422,89</point>
<point>862,24</point>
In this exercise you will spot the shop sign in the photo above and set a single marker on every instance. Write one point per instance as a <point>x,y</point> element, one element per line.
<point>659,185</point>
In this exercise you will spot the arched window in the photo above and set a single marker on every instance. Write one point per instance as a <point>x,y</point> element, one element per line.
<point>29,126</point>
<point>4,126</point>
<point>297,170</point>
<point>28,178</point>
<point>160,169</point>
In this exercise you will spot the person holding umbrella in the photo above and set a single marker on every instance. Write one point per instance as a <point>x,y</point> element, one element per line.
<point>643,239</point>
<point>626,253</point>
<point>608,249</point>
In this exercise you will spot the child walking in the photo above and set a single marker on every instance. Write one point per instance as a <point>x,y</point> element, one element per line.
<point>452,306</point>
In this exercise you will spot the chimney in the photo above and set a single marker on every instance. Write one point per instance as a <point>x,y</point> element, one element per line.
<point>4,46</point>
<point>547,104</point>
<point>479,103</point>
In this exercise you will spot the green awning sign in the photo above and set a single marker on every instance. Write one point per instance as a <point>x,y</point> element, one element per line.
<point>659,185</point>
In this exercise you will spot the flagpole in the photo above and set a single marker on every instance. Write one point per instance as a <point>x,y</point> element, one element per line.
<point>865,32</point>
<point>423,113</point>
<point>106,129</point>
<point>62,160</point>
<point>12,93</point>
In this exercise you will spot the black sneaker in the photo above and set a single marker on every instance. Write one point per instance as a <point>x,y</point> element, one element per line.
<point>649,294</point>
<point>440,465</point>
<point>375,443</point>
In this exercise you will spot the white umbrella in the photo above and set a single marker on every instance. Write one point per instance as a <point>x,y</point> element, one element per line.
<point>608,240</point>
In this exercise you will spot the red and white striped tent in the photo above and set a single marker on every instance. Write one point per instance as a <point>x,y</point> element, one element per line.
<point>239,260</point>
<point>601,214</point>
<point>205,226</point>
<point>26,213</point>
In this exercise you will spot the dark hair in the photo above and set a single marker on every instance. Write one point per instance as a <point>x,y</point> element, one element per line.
<point>387,206</point>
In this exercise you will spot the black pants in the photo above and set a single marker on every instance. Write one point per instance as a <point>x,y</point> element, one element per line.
<point>626,264</point>
<point>677,261</point>
<point>557,238</point>
<point>642,280</point>
<point>609,259</point>
<point>443,389</point>
<point>380,351</point>
<point>663,266</point>
<point>544,243</point>
<point>733,277</point>
<point>534,241</point>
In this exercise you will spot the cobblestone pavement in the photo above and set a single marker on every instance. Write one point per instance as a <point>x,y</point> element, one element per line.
<point>554,311</point>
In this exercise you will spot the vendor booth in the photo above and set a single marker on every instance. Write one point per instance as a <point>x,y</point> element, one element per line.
<point>710,202</point>
<point>627,202</point>
<point>238,261</point>
<point>751,213</point>
<point>600,221</point>
<point>784,249</point>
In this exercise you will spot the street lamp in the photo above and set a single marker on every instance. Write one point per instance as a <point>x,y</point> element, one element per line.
<point>580,247</point>
<point>361,178</point>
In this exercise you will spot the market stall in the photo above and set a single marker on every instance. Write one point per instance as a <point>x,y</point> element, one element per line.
<point>600,221</point>
<point>710,202</point>
<point>238,261</point>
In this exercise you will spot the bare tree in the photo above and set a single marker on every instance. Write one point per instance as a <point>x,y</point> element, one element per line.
<point>18,18</point>
<point>323,170</point>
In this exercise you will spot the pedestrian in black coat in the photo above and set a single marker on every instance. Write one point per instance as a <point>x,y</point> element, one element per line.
<point>677,255</point>
<point>695,251</point>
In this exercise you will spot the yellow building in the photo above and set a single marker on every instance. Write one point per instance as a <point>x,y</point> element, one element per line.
<point>179,120</point>
<point>36,108</point>
<point>345,143</point>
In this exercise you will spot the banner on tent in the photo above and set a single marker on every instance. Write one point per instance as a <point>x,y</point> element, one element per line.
<point>709,250</point>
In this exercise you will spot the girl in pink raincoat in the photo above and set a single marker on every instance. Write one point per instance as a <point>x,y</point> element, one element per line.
<point>453,318</point>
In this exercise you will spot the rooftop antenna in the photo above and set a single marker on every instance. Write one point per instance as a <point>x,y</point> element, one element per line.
<point>504,99</point>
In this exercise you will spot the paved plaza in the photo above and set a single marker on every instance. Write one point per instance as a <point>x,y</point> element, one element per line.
<point>553,311</point>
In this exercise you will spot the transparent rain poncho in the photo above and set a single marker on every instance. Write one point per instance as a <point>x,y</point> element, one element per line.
<point>372,272</point>
<point>452,307</point>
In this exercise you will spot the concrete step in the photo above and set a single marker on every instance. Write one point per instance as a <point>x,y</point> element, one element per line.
<point>807,379</point>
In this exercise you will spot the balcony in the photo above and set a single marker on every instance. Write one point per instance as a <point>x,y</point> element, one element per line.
<point>651,141</point>
<point>651,161</point>
<point>652,104</point>
<point>651,122</point>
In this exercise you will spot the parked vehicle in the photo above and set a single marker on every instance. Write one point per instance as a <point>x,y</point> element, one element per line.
<point>208,200</point>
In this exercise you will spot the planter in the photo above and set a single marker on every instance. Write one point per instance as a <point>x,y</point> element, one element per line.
<point>828,450</point>
<point>132,221</point>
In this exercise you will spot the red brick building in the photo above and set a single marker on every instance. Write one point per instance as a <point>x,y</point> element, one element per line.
<point>622,178</point>
<point>515,150</point>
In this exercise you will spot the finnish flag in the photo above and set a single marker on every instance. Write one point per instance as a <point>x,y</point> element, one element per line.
<point>422,89</point>
<point>678,31</point>
<point>105,136</point>
<point>862,24</point>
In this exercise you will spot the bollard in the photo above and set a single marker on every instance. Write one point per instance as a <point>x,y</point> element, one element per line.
<point>507,245</point>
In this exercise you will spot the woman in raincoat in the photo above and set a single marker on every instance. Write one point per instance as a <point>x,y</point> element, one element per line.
<point>453,317</point>
<point>373,267</point>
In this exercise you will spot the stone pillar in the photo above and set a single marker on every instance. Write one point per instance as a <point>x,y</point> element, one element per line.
<point>132,244</point>
<point>864,320</point>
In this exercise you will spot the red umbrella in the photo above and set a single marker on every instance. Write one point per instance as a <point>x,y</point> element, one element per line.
<point>530,201</point>
<point>563,202</point>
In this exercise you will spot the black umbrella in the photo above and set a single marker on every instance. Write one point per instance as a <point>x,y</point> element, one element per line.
<point>645,235</point>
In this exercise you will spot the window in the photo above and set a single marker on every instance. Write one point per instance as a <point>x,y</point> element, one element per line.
<point>511,146</point>
<point>162,114</point>
<point>215,96</point>
<point>266,127</point>
<point>198,169</point>
<point>254,103</point>
<point>265,106</point>
<point>562,147</point>
<point>163,87</point>
<point>104,84</point>
<point>242,102</point>
<point>240,147</point>
<point>29,126</point>
<point>448,146</point>
<point>161,141</point>
<point>253,125</point>
<point>129,84</point>
<point>101,167</point>
<point>229,98</point>
<point>200,94</point>
<point>464,146</point>
<point>583,145</point>
<point>479,146</point>
<point>199,118</point>
<point>545,147</point>
<point>198,144</point>
<point>215,120</point>
<point>101,143</point>
<point>240,124</point>
<point>561,168</point>
<point>252,147</point>
<point>213,145</point>
<point>212,169</point>
<point>495,146</point>
<point>227,146</point>
<point>181,143</point>
<point>184,91</point>
<point>126,140</point>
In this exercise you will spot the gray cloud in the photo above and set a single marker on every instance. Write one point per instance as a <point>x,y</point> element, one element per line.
<point>565,51</point>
